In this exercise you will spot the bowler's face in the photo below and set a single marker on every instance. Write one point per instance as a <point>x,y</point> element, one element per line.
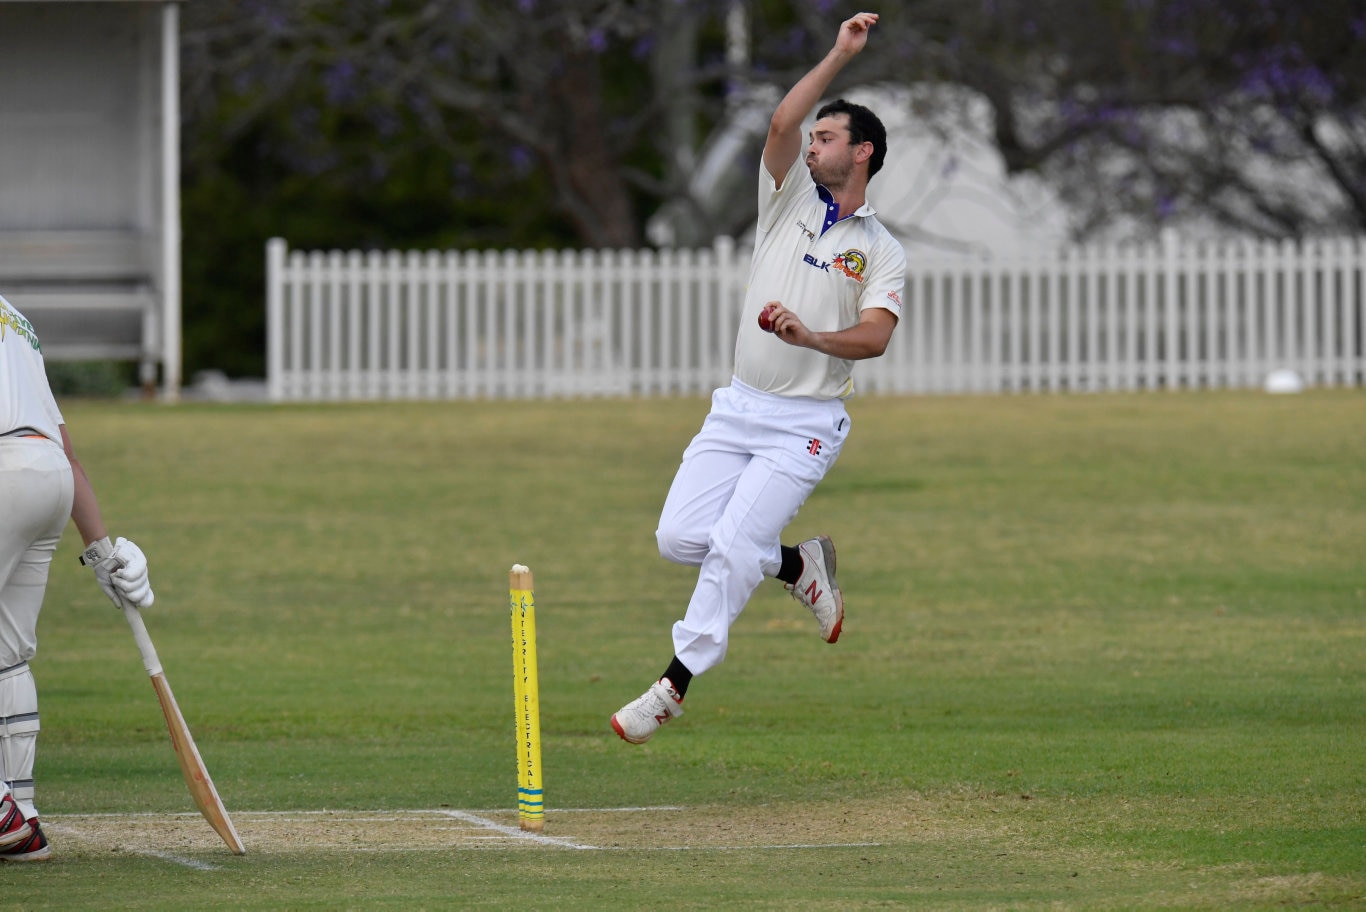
<point>830,156</point>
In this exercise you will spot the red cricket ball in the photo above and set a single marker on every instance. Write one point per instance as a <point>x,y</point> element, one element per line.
<point>765,318</point>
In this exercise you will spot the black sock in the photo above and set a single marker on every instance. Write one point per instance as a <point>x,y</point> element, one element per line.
<point>791,570</point>
<point>678,676</point>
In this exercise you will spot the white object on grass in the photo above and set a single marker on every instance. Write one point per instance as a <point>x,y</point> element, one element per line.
<point>1284,380</point>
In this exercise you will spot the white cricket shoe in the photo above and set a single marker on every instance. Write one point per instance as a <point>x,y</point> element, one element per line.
<point>641,718</point>
<point>816,587</point>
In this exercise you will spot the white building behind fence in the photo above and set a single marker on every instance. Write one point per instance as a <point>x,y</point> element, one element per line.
<point>528,324</point>
<point>90,179</point>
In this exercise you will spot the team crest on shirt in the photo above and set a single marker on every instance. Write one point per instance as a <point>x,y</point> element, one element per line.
<point>852,263</point>
<point>11,320</point>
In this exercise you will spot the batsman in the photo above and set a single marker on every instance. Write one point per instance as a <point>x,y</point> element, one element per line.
<point>41,484</point>
<point>824,291</point>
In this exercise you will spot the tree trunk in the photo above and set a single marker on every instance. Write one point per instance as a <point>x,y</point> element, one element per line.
<point>587,172</point>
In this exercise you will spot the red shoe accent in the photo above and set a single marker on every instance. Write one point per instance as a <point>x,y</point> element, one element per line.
<point>13,827</point>
<point>839,624</point>
<point>34,848</point>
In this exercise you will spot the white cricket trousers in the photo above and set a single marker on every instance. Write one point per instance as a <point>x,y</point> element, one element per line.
<point>36,488</point>
<point>744,476</point>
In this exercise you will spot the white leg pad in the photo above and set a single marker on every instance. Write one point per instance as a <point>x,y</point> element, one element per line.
<point>18,734</point>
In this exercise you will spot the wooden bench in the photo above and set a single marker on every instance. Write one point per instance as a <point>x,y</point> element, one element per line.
<point>89,294</point>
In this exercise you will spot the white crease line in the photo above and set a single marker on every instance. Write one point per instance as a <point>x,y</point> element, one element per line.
<point>118,816</point>
<point>493,831</point>
<point>517,832</point>
<point>485,829</point>
<point>63,829</point>
<point>619,810</point>
<point>370,814</point>
<point>750,848</point>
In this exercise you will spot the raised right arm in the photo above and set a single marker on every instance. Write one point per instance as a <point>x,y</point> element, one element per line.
<point>784,141</point>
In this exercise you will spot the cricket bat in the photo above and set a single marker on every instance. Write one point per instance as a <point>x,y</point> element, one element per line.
<point>191,765</point>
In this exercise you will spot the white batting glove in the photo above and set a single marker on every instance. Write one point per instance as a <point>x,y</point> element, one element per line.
<point>131,578</point>
<point>121,571</point>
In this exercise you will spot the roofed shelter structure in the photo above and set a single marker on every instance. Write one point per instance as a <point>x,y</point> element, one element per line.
<point>89,179</point>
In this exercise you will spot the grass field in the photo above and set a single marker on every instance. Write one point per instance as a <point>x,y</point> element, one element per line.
<point>1101,652</point>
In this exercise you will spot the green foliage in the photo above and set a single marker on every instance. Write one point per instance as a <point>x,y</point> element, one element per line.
<point>239,194</point>
<point>90,379</point>
<point>1100,652</point>
<point>472,124</point>
<point>313,123</point>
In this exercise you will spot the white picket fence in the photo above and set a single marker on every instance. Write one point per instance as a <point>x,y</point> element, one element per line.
<point>504,324</point>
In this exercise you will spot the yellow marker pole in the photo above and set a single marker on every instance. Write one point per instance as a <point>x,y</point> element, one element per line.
<point>530,800</point>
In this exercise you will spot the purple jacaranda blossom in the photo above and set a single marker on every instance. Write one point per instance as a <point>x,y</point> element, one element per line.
<point>386,124</point>
<point>521,160</point>
<point>274,21</point>
<point>794,41</point>
<point>421,104</point>
<point>1178,47</point>
<point>339,82</point>
<point>1283,75</point>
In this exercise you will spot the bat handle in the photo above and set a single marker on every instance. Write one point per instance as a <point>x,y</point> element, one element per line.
<point>149,653</point>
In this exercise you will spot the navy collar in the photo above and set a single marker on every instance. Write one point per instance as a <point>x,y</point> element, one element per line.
<point>832,208</point>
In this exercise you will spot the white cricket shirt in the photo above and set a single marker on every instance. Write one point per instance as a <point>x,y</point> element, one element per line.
<point>25,397</point>
<point>826,272</point>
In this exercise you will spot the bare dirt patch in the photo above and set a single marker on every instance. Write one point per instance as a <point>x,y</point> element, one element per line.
<point>799,824</point>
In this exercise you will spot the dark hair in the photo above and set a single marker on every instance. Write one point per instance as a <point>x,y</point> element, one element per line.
<point>863,127</point>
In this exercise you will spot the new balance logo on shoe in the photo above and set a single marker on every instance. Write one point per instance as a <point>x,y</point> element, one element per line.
<point>638,720</point>
<point>816,587</point>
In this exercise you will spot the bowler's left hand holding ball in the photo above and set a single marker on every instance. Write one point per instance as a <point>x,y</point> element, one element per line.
<point>766,317</point>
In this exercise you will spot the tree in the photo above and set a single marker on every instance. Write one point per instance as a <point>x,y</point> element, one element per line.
<point>452,123</point>
<point>536,123</point>
<point>1242,114</point>
<point>567,88</point>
